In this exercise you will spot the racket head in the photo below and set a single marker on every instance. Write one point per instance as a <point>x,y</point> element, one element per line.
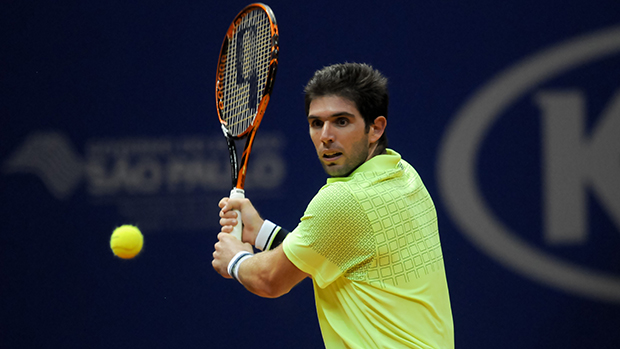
<point>246,70</point>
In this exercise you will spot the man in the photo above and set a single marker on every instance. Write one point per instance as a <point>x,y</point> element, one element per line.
<point>368,239</point>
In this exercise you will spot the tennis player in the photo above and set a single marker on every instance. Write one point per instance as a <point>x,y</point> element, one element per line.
<point>368,239</point>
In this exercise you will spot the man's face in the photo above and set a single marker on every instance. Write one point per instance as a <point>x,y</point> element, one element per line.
<point>339,134</point>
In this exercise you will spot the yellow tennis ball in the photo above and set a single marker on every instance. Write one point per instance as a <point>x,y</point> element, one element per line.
<point>126,241</point>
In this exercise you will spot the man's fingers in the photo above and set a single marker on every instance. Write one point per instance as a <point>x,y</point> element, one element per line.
<point>227,204</point>
<point>228,214</point>
<point>222,202</point>
<point>227,224</point>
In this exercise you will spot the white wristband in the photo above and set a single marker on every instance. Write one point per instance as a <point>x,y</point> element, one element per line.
<point>235,262</point>
<point>265,234</point>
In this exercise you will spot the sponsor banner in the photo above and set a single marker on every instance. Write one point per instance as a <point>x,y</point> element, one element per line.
<point>158,183</point>
<point>576,163</point>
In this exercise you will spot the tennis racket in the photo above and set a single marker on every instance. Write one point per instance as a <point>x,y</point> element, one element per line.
<point>245,75</point>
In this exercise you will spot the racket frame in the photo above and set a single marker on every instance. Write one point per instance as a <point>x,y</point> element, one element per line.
<point>239,169</point>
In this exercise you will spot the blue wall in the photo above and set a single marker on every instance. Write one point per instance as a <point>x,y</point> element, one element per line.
<point>508,110</point>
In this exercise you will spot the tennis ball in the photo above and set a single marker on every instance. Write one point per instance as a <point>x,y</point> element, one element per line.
<point>126,241</point>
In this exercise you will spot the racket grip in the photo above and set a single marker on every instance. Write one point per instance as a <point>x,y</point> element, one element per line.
<point>237,230</point>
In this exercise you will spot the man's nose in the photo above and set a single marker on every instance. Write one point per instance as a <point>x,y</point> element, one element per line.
<point>327,134</point>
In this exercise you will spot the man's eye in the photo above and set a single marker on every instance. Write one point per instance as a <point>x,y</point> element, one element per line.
<point>342,122</point>
<point>316,123</point>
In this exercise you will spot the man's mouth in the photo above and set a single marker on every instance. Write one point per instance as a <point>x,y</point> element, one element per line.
<point>331,156</point>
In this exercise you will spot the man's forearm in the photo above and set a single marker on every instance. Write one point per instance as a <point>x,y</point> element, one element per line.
<point>269,274</point>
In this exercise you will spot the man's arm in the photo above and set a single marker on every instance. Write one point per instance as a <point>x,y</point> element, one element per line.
<point>267,274</point>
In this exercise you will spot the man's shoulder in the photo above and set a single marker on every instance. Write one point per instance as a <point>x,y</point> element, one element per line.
<point>333,197</point>
<point>334,191</point>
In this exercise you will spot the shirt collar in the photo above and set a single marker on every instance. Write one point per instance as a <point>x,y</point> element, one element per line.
<point>380,162</point>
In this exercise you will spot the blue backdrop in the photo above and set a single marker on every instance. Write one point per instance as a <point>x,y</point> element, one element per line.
<point>509,111</point>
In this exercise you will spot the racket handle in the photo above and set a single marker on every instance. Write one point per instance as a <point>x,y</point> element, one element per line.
<point>237,194</point>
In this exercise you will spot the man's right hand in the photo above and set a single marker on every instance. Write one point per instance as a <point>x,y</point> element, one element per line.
<point>252,221</point>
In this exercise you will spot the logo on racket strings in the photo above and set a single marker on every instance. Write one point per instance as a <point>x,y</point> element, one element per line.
<point>245,64</point>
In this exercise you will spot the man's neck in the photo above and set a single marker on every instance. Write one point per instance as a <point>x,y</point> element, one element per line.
<point>375,150</point>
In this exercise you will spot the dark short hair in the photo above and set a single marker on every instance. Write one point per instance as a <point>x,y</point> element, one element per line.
<point>357,82</point>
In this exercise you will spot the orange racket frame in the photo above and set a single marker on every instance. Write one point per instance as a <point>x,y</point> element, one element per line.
<point>239,170</point>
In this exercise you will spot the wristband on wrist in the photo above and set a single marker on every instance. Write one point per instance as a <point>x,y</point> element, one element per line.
<point>269,236</point>
<point>265,234</point>
<point>235,262</point>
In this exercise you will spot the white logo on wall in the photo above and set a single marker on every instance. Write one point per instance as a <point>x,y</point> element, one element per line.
<point>159,183</point>
<point>575,162</point>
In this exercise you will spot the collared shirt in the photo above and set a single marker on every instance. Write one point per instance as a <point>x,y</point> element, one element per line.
<point>370,241</point>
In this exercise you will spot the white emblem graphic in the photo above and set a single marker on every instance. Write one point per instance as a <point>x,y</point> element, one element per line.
<point>50,156</point>
<point>572,163</point>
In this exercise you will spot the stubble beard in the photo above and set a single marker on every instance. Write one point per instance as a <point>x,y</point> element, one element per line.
<point>352,162</point>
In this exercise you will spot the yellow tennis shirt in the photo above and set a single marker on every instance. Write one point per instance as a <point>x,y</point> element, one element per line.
<point>371,244</point>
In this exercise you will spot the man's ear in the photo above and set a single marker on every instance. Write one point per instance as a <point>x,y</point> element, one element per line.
<point>376,129</point>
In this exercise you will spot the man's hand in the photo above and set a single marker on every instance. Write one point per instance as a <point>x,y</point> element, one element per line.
<point>267,274</point>
<point>225,249</point>
<point>250,217</point>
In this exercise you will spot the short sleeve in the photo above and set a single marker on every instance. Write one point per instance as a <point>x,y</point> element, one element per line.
<point>333,238</point>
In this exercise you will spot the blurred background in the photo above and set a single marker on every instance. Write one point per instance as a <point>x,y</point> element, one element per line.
<point>509,111</point>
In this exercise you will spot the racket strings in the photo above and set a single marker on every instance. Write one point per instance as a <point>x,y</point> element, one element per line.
<point>246,70</point>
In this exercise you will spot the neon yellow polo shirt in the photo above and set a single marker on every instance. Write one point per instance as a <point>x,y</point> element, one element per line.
<point>371,244</point>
